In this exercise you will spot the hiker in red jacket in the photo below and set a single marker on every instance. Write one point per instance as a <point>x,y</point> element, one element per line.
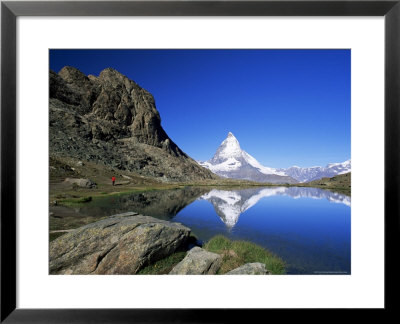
<point>113,180</point>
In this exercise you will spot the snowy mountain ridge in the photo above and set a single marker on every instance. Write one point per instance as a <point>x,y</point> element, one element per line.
<point>231,161</point>
<point>317,172</point>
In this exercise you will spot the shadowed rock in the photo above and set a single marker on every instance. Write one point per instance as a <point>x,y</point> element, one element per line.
<point>250,269</point>
<point>198,261</point>
<point>116,245</point>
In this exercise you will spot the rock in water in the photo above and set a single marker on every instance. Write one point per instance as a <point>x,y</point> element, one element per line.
<point>198,261</point>
<point>250,269</point>
<point>116,245</point>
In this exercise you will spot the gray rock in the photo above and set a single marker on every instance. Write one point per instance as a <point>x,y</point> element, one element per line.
<point>116,245</point>
<point>82,183</point>
<point>125,214</point>
<point>250,269</point>
<point>198,261</point>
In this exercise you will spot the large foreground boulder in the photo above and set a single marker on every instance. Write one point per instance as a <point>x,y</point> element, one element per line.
<point>255,268</point>
<point>198,261</point>
<point>116,245</point>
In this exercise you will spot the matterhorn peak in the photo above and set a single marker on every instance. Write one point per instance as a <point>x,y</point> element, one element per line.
<point>232,140</point>
<point>231,137</point>
<point>230,147</point>
<point>231,161</point>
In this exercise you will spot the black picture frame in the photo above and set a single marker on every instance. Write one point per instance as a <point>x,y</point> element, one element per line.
<point>10,10</point>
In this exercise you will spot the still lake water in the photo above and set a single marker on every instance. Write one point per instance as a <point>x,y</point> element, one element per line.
<point>308,228</point>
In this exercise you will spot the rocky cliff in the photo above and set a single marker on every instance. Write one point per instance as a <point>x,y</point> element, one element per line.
<point>111,120</point>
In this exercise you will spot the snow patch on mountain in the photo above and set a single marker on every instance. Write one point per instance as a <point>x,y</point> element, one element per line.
<point>263,169</point>
<point>228,165</point>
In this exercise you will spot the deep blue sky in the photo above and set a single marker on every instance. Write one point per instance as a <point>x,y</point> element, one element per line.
<point>286,107</point>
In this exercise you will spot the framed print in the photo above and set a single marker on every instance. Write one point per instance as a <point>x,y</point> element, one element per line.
<point>201,144</point>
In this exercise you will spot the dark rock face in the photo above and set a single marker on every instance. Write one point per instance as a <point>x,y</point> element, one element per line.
<point>116,245</point>
<point>112,120</point>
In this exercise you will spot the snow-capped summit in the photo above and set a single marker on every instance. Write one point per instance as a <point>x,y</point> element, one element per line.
<point>229,148</point>
<point>231,161</point>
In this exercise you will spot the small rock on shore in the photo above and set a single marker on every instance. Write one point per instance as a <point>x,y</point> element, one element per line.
<point>198,261</point>
<point>250,269</point>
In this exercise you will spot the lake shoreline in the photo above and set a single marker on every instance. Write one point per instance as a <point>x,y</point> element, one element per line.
<point>78,195</point>
<point>154,247</point>
<point>212,210</point>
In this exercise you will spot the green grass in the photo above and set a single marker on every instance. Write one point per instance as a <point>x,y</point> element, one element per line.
<point>75,201</point>
<point>236,253</point>
<point>340,183</point>
<point>163,266</point>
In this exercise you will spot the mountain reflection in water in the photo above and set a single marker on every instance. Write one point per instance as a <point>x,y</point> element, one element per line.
<point>230,204</point>
<point>309,228</point>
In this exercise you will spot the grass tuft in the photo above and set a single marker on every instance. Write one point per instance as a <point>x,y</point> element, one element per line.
<point>236,253</point>
<point>163,266</point>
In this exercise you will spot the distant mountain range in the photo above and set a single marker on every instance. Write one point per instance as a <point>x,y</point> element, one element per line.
<point>230,161</point>
<point>317,172</point>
